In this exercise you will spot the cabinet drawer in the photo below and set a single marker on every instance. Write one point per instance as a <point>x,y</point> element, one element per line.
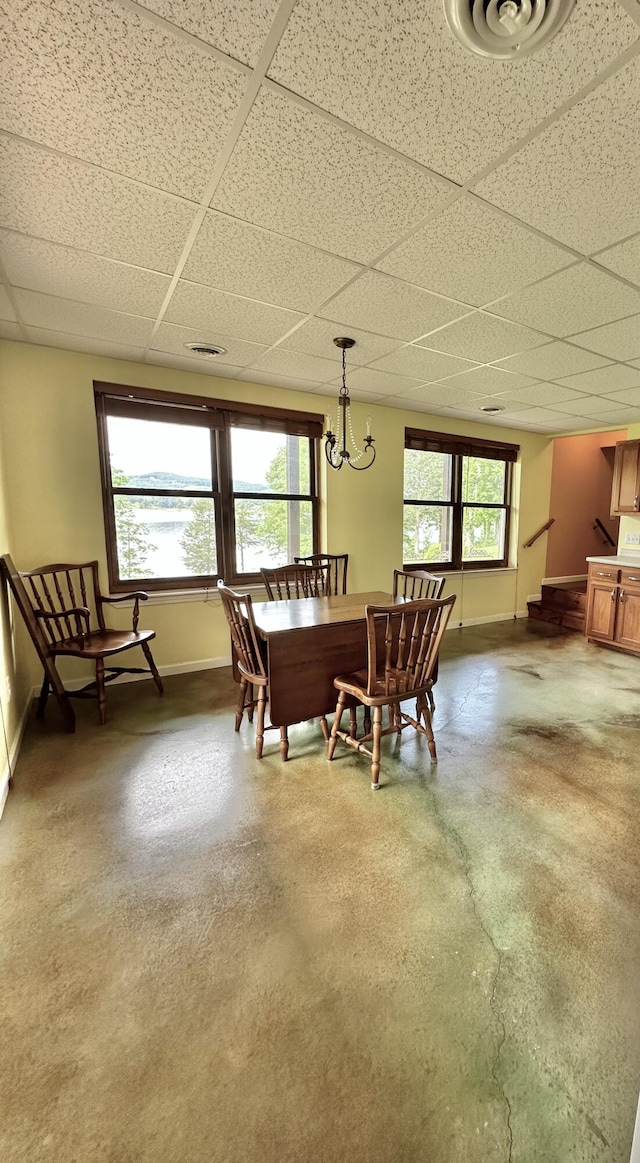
<point>598,573</point>
<point>630,577</point>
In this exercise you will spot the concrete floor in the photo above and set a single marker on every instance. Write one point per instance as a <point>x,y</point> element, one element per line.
<point>206,959</point>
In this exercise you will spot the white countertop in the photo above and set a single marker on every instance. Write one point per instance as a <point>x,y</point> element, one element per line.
<point>631,560</point>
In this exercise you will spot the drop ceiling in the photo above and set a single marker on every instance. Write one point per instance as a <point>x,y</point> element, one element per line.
<point>268,175</point>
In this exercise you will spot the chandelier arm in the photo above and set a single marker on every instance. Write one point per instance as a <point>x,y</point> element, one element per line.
<point>362,467</point>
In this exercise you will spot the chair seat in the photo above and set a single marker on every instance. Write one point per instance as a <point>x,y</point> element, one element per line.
<point>102,643</point>
<point>391,688</point>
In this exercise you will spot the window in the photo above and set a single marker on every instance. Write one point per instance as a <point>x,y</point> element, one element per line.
<point>195,489</point>
<point>457,498</point>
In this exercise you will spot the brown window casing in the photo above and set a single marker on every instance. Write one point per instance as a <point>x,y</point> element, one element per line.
<point>459,447</point>
<point>219,417</point>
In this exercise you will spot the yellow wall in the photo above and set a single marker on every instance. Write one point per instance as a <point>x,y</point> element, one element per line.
<point>53,489</point>
<point>629,524</point>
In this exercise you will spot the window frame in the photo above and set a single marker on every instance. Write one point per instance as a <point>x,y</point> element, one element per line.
<point>459,447</point>
<point>220,417</point>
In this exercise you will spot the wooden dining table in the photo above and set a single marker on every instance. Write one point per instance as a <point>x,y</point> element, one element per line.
<point>309,641</point>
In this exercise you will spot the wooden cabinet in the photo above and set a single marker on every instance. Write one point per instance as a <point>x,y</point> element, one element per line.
<point>613,607</point>
<point>625,491</point>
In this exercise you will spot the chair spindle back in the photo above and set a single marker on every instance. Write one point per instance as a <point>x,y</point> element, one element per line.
<point>67,590</point>
<point>412,634</point>
<point>297,581</point>
<point>415,584</point>
<point>337,563</point>
<point>244,636</point>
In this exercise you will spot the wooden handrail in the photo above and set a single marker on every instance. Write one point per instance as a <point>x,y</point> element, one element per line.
<point>605,532</point>
<point>529,543</point>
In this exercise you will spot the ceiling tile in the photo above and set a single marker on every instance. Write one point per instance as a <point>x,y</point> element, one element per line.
<point>571,301</point>
<point>612,378</point>
<point>568,424</point>
<point>630,397</point>
<point>387,67</point>
<point>365,379</point>
<point>171,338</point>
<point>107,85</point>
<point>37,265</point>
<point>82,319</point>
<point>624,259</point>
<point>10,330</point>
<point>317,335</point>
<point>540,393</point>
<point>66,201</point>
<point>217,312</point>
<point>6,310</point>
<point>540,416</point>
<point>297,365</point>
<point>414,360</point>
<point>237,27</point>
<point>552,360</point>
<point>578,179</point>
<point>43,338</point>
<point>484,338</point>
<point>489,381</point>
<point>294,172</point>
<point>619,340</point>
<point>193,364</point>
<point>621,416</point>
<point>585,406</point>
<point>444,395</point>
<point>247,260</point>
<point>376,302</point>
<point>253,376</point>
<point>473,253</point>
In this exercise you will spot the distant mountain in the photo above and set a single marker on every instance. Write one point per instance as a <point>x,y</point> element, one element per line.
<point>170,480</point>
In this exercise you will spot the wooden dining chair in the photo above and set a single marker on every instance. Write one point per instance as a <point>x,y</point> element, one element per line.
<point>251,664</point>
<point>402,649</point>
<point>63,610</point>
<point>296,581</point>
<point>416,583</point>
<point>337,563</point>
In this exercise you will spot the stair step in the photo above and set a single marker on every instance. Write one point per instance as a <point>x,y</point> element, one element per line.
<point>561,597</point>
<point>569,619</point>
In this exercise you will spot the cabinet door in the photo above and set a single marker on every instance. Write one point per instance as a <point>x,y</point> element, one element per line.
<point>601,611</point>
<point>628,626</point>
<point>625,493</point>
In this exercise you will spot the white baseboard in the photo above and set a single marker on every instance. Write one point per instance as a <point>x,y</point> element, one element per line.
<point>13,755</point>
<point>75,684</point>
<point>570,577</point>
<point>453,625</point>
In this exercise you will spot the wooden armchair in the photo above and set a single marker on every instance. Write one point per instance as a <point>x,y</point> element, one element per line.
<point>296,581</point>
<point>411,634</point>
<point>63,611</point>
<point>337,563</point>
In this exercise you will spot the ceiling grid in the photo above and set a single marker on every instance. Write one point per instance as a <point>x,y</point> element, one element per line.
<point>179,171</point>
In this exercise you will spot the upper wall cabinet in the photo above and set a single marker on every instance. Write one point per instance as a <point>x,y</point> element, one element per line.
<point>625,492</point>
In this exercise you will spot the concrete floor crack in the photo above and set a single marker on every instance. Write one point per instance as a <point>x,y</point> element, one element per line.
<point>454,837</point>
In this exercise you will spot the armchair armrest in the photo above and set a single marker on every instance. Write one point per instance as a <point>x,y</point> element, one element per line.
<point>137,595</point>
<point>76,612</point>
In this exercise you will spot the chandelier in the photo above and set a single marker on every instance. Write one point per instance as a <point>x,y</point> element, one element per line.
<point>335,443</point>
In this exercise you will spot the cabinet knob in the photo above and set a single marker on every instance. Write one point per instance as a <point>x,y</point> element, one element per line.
<point>613,595</point>
<point>635,502</point>
<point>622,595</point>
<point>632,578</point>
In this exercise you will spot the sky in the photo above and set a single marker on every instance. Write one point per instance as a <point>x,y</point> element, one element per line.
<point>143,446</point>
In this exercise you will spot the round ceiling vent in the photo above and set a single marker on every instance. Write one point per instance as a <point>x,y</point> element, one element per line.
<point>506,29</point>
<point>206,350</point>
<point>491,409</point>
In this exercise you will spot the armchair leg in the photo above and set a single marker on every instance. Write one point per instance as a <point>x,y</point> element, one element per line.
<point>284,744</point>
<point>152,666</point>
<point>64,702</point>
<point>353,723</point>
<point>102,702</point>
<point>428,730</point>
<point>42,701</point>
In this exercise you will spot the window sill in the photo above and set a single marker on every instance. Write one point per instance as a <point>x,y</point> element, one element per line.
<point>208,596</point>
